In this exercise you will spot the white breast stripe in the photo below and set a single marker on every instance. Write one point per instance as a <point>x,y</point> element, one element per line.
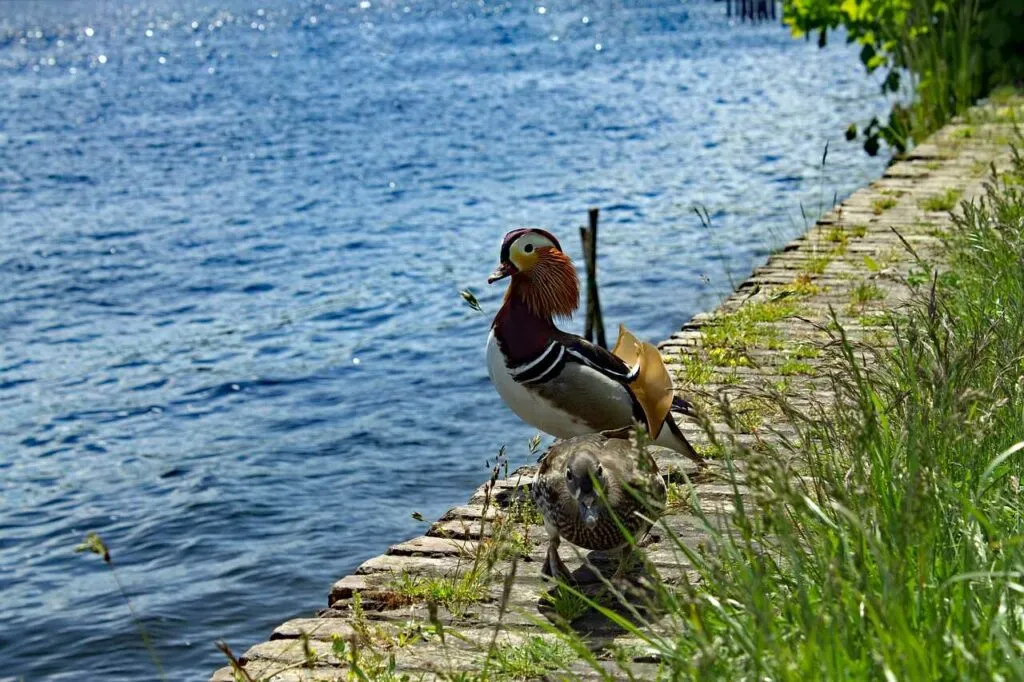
<point>516,371</point>
<point>552,367</point>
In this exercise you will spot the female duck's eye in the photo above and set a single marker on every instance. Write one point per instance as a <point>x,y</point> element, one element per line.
<point>568,475</point>
<point>528,248</point>
<point>599,471</point>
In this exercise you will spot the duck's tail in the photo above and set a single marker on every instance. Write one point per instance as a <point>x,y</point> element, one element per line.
<point>672,437</point>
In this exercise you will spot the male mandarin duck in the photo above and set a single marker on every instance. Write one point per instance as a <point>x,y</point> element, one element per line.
<point>558,382</point>
<point>590,488</point>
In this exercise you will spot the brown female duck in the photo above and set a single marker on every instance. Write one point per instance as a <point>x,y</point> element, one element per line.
<point>587,483</point>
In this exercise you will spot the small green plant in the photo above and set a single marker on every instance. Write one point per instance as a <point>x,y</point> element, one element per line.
<point>941,202</point>
<point>817,264</point>
<point>679,497</point>
<point>792,366</point>
<point>696,371</point>
<point>837,235</point>
<point>865,292</point>
<point>806,351</point>
<point>566,602</point>
<point>802,285</point>
<point>364,664</point>
<point>728,335</point>
<point>94,544</point>
<point>882,204</point>
<point>455,592</point>
<point>534,659</point>
<point>749,413</point>
<point>729,378</point>
<point>709,450</point>
<point>522,511</point>
<point>874,320</point>
<point>470,298</point>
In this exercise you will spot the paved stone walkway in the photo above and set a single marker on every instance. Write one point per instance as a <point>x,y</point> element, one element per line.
<point>475,574</point>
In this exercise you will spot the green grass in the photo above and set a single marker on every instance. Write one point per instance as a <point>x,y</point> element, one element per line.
<point>679,497</point>
<point>533,659</point>
<point>792,366</point>
<point>727,336</point>
<point>837,235</point>
<point>454,592</point>
<point>802,285</point>
<point>696,372</point>
<point>817,264</point>
<point>748,414</point>
<point>875,320</point>
<point>865,292</point>
<point>882,204</point>
<point>566,603</point>
<point>941,202</point>
<point>899,554</point>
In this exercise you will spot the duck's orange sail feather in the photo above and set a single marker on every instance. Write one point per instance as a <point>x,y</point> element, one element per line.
<point>653,385</point>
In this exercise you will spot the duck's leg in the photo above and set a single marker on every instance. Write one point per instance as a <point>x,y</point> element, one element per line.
<point>553,566</point>
<point>625,562</point>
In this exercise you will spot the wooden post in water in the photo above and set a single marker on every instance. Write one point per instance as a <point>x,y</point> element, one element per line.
<point>594,327</point>
<point>728,8</point>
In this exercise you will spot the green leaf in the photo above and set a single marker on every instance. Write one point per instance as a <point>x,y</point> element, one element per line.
<point>470,298</point>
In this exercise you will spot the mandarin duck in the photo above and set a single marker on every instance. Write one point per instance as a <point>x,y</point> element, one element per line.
<point>561,383</point>
<point>588,485</point>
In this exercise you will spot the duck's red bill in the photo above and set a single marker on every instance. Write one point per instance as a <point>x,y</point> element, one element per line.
<point>503,271</point>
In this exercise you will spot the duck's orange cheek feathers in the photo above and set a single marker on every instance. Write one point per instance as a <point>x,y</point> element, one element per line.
<point>554,284</point>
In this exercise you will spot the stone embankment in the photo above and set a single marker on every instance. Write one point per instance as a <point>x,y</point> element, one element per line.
<point>438,605</point>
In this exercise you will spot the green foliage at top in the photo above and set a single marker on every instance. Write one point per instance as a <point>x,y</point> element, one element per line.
<point>955,51</point>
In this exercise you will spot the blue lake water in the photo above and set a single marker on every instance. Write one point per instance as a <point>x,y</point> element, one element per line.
<point>233,237</point>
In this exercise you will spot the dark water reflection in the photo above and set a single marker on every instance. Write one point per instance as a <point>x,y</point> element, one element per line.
<point>233,239</point>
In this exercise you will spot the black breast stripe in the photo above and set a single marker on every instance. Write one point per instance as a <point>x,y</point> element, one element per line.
<point>545,366</point>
